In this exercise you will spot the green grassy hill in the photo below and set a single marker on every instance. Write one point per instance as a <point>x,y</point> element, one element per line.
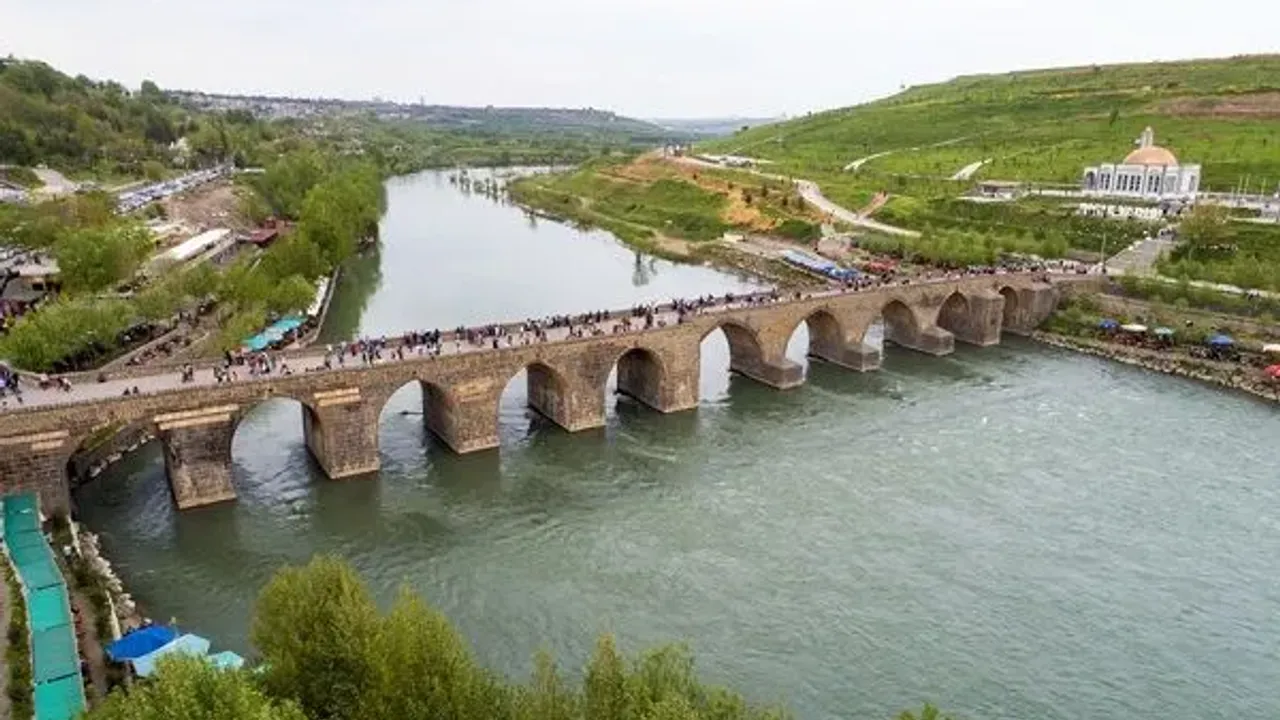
<point>1046,125</point>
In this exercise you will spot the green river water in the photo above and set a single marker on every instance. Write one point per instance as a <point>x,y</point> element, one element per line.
<point>1010,532</point>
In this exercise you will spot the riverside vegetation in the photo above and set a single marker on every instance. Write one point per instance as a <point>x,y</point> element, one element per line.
<point>328,653</point>
<point>335,201</point>
<point>325,174</point>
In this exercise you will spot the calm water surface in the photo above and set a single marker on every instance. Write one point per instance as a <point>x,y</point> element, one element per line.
<point>1011,532</point>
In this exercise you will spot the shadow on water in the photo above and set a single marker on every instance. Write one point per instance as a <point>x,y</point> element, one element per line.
<point>346,507</point>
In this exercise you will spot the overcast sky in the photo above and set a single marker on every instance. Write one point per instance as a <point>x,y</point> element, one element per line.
<point>648,58</point>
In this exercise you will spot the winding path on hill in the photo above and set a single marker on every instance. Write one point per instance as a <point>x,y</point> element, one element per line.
<point>968,171</point>
<point>811,194</point>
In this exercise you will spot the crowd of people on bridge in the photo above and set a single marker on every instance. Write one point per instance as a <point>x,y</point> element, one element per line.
<point>433,343</point>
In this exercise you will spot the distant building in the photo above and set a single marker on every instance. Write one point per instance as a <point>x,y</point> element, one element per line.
<point>1150,172</point>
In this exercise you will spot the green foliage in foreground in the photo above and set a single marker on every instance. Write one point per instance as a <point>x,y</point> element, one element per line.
<point>191,689</point>
<point>17,658</point>
<point>328,653</point>
<point>326,645</point>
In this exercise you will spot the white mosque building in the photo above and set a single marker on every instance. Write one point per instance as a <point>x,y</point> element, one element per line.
<point>1150,173</point>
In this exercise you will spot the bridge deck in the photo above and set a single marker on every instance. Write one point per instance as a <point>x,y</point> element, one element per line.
<point>86,389</point>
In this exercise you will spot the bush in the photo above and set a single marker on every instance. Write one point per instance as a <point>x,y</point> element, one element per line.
<point>18,656</point>
<point>796,229</point>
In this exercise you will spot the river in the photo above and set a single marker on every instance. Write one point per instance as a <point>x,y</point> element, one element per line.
<point>1011,532</point>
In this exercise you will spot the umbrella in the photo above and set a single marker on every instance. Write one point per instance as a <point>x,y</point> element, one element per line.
<point>1108,324</point>
<point>1221,341</point>
<point>185,645</point>
<point>141,642</point>
<point>1273,349</point>
<point>1134,328</point>
<point>1164,332</point>
<point>1273,371</point>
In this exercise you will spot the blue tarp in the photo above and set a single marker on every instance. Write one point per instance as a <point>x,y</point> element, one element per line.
<point>185,645</point>
<point>1108,324</point>
<point>140,642</point>
<point>1221,341</point>
<point>272,333</point>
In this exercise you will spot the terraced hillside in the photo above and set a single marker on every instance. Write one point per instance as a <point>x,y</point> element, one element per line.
<point>1045,125</point>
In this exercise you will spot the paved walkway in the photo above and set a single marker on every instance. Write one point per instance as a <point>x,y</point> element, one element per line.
<point>967,171</point>
<point>1140,257</point>
<point>313,358</point>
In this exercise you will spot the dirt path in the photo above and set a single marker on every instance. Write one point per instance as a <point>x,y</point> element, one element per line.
<point>90,645</point>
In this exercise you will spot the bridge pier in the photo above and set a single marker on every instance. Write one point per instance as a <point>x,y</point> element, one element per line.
<point>466,421</point>
<point>197,455</point>
<point>859,357</point>
<point>37,462</point>
<point>931,340</point>
<point>1025,309</point>
<point>341,431</point>
<point>976,320</point>
<point>667,388</point>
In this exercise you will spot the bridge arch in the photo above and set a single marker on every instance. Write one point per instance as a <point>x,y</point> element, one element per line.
<point>260,440</point>
<point>1012,306</point>
<point>954,313</point>
<point>746,351</point>
<point>642,376</point>
<point>827,335</point>
<point>413,396</point>
<point>900,320</point>
<point>547,391</point>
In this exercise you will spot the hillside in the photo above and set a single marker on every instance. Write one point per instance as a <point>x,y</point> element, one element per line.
<point>579,122</point>
<point>1045,125</point>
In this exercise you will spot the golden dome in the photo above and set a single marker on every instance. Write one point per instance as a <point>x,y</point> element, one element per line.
<point>1151,155</point>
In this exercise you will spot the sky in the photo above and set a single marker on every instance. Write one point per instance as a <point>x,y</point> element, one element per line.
<point>644,58</point>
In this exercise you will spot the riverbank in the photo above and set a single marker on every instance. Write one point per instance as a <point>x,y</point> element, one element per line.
<point>1227,375</point>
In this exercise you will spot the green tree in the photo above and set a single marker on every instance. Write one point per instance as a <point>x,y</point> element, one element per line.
<point>1204,228</point>
<point>95,259</point>
<point>192,689</point>
<point>424,669</point>
<point>315,627</point>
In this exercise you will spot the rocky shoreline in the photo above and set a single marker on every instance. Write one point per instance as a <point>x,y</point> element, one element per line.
<point>1225,375</point>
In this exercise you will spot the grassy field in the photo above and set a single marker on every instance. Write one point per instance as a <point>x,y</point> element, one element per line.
<point>646,201</point>
<point>1045,125</point>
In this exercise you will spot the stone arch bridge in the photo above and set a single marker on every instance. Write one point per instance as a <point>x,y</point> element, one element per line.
<point>567,379</point>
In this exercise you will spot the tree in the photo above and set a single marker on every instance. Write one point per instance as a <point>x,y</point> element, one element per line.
<point>315,627</point>
<point>424,669</point>
<point>94,259</point>
<point>1204,228</point>
<point>193,689</point>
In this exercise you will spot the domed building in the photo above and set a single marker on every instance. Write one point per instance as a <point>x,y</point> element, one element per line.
<point>1150,172</point>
